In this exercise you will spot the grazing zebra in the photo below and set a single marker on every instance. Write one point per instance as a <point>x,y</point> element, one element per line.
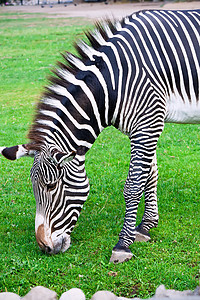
<point>136,74</point>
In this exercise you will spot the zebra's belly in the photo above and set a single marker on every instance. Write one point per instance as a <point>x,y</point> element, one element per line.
<point>182,111</point>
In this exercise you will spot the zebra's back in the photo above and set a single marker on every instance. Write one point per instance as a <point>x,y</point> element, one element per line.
<point>163,49</point>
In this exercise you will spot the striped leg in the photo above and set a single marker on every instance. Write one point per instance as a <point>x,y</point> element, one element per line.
<point>133,190</point>
<point>142,177</point>
<point>150,217</point>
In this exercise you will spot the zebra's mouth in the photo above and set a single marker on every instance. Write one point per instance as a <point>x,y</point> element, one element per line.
<point>59,244</point>
<point>52,244</point>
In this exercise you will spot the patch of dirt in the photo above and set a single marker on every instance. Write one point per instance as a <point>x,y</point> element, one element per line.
<point>95,10</point>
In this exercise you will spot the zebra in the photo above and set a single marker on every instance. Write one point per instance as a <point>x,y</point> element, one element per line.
<point>135,74</point>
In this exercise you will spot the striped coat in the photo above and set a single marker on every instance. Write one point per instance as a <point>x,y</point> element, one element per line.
<point>136,75</point>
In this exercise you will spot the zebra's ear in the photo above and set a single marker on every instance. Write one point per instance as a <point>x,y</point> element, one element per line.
<point>61,158</point>
<point>16,152</point>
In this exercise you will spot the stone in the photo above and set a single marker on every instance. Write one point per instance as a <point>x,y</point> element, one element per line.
<point>162,292</point>
<point>197,291</point>
<point>73,294</point>
<point>123,298</point>
<point>40,293</point>
<point>104,295</point>
<point>9,296</point>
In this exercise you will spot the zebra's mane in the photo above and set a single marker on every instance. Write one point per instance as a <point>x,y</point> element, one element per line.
<point>101,33</point>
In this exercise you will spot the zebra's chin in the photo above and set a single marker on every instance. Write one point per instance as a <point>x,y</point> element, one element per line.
<point>61,243</point>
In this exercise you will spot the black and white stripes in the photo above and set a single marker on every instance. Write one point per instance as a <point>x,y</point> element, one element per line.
<point>135,75</point>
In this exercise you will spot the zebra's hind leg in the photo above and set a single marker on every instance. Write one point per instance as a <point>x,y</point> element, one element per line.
<point>141,235</point>
<point>142,177</point>
<point>150,217</point>
<point>120,253</point>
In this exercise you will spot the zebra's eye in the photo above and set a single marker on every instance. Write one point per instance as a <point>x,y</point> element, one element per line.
<point>51,186</point>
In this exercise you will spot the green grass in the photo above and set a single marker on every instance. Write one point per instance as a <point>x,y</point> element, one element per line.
<point>30,44</point>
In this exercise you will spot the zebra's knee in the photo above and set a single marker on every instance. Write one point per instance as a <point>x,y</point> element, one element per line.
<point>132,194</point>
<point>149,222</point>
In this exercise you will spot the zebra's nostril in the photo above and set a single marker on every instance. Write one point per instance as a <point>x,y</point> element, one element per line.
<point>48,249</point>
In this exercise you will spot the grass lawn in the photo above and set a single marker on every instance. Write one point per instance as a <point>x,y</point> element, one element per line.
<point>29,46</point>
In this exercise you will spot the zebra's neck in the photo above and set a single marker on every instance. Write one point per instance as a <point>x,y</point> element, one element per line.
<point>70,117</point>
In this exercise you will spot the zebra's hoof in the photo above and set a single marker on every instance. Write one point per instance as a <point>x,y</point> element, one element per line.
<point>120,256</point>
<point>141,235</point>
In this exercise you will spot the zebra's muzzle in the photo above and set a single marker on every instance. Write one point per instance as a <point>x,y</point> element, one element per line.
<point>61,243</point>
<point>51,244</point>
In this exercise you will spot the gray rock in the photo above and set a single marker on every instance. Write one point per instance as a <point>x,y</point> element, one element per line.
<point>162,292</point>
<point>73,294</point>
<point>122,298</point>
<point>176,298</point>
<point>197,291</point>
<point>9,296</point>
<point>104,295</point>
<point>40,293</point>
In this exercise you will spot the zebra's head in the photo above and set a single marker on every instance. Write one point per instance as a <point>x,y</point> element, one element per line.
<point>60,188</point>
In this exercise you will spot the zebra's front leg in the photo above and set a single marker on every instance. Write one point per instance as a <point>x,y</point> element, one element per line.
<point>150,217</point>
<point>133,191</point>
